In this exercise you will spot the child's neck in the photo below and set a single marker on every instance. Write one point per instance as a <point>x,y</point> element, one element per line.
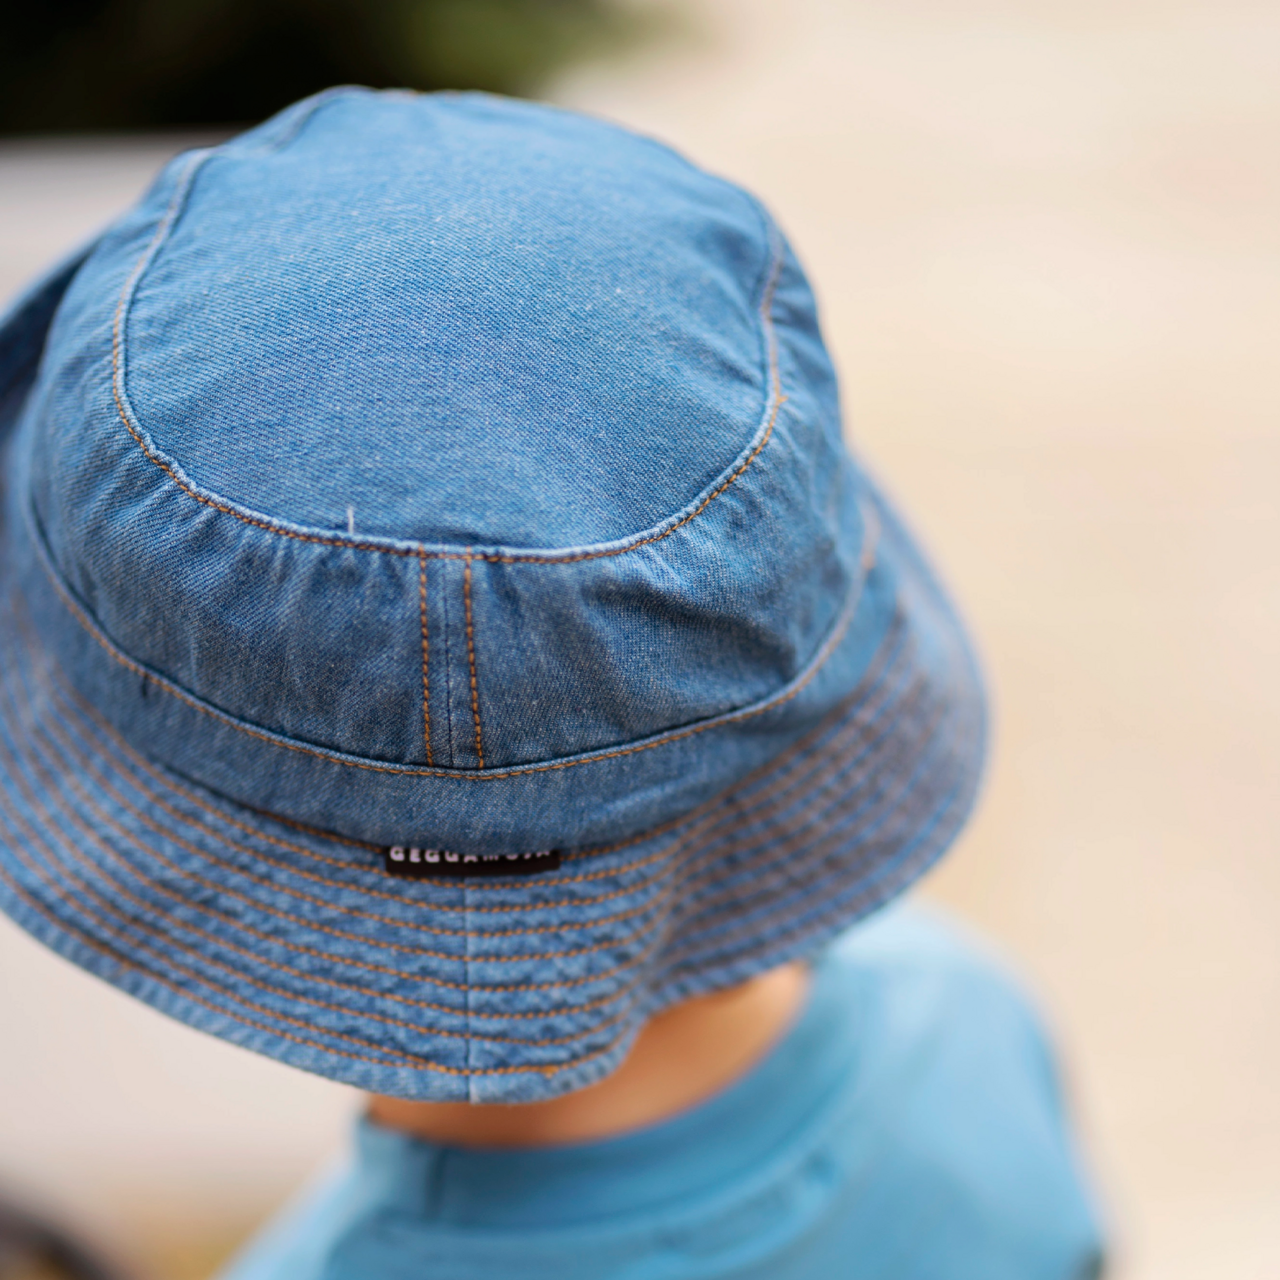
<point>682,1057</point>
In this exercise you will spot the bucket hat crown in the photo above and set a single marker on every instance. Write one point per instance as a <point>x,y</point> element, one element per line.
<point>443,624</point>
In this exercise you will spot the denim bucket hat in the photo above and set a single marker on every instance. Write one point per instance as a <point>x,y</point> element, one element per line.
<point>441,623</point>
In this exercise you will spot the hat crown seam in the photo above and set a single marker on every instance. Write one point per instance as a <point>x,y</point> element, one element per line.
<point>729,475</point>
<point>826,647</point>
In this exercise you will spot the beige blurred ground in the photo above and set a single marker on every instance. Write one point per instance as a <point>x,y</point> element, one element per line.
<point>1047,241</point>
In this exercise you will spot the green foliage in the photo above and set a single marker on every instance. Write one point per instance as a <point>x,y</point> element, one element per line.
<point>123,64</point>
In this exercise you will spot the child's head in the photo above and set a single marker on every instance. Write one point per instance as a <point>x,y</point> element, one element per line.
<point>442,624</point>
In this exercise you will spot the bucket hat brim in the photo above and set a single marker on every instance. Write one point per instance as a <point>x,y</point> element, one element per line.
<point>295,943</point>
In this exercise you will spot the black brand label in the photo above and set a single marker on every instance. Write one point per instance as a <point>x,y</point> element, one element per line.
<point>419,864</point>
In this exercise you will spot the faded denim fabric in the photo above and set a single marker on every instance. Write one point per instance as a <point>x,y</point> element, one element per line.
<point>909,1127</point>
<point>449,472</point>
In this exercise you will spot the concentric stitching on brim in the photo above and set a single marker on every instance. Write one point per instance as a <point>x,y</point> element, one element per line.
<point>700,827</point>
<point>739,920</point>
<point>687,881</point>
<point>722,878</point>
<point>702,823</point>
<point>803,785</point>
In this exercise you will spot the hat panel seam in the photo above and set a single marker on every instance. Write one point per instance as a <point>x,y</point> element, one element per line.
<point>340,910</point>
<point>71,752</point>
<point>447,629</point>
<point>131,963</point>
<point>950,726</point>
<point>698,817</point>
<point>784,695</point>
<point>774,398</point>
<point>722,826</point>
<point>81,937</point>
<point>166,834</point>
<point>691,874</point>
<point>903,796</point>
<point>109,882</point>
<point>871,891</point>
<point>728,904</point>
<point>468,978</point>
<point>370,941</point>
<point>426,657</point>
<point>894,807</point>
<point>333,957</point>
<point>345,864</point>
<point>774,857</point>
<point>107,912</point>
<point>776,769</point>
<point>689,877</point>
<point>471,659</point>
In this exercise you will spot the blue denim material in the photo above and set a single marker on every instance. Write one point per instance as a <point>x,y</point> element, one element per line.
<point>910,1126</point>
<point>463,473</point>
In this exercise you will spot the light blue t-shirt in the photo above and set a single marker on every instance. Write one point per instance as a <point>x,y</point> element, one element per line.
<point>909,1127</point>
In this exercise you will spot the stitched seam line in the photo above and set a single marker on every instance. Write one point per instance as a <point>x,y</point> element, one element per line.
<point>733,910</point>
<point>134,943</point>
<point>130,965</point>
<point>695,822</point>
<point>323,1005</point>
<point>471,660</point>
<point>466,998</point>
<point>896,873</point>
<point>773,394</point>
<point>335,908</point>
<point>339,933</point>
<point>113,912</point>
<point>321,1046</point>
<point>662,855</point>
<point>231,922</point>
<point>827,648</point>
<point>444,594</point>
<point>74,753</point>
<point>938,725</point>
<point>270,910</point>
<point>330,958</point>
<point>67,695</point>
<point>426,655</point>
<point>128,837</point>
<point>347,865</point>
<point>688,879</point>
<point>411,1059</point>
<point>775,871</point>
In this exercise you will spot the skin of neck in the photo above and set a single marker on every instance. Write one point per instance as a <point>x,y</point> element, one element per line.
<point>682,1057</point>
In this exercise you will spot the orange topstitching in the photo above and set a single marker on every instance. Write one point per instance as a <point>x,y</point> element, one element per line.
<point>695,824</point>
<point>467,775</point>
<point>426,655</point>
<point>117,381</point>
<point>471,660</point>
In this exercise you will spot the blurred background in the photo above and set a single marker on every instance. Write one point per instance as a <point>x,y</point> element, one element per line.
<point>1046,237</point>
